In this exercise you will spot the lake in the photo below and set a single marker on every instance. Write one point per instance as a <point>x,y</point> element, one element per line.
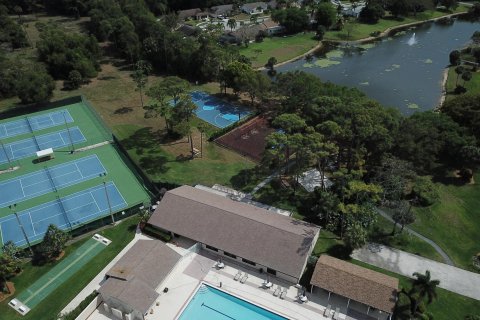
<point>404,71</point>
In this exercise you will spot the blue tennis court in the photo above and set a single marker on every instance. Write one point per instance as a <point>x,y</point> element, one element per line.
<point>36,123</point>
<point>217,112</point>
<point>28,147</point>
<point>65,212</point>
<point>49,179</point>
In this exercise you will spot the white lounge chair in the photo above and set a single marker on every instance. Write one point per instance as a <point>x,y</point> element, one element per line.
<point>238,276</point>
<point>244,278</point>
<point>283,294</point>
<point>277,291</point>
<point>326,313</point>
<point>336,314</point>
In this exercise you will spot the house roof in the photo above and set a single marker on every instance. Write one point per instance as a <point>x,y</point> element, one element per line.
<point>136,294</point>
<point>360,284</point>
<point>188,30</point>
<point>254,5</point>
<point>253,233</point>
<point>182,14</point>
<point>270,24</point>
<point>222,9</point>
<point>145,265</point>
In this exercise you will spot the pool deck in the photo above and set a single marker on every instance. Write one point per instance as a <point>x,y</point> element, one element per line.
<point>195,268</point>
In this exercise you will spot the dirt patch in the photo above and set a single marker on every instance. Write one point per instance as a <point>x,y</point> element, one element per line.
<point>11,289</point>
<point>248,139</point>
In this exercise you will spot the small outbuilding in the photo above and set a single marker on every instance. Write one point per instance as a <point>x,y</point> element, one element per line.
<point>374,294</point>
<point>131,285</point>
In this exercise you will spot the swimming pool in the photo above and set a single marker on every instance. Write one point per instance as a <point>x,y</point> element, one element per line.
<point>209,303</point>
<point>215,111</point>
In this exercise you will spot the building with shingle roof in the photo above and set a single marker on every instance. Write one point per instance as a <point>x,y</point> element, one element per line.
<point>250,235</point>
<point>371,288</point>
<point>131,284</point>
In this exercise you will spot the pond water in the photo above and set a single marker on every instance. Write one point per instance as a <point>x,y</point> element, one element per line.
<point>404,71</point>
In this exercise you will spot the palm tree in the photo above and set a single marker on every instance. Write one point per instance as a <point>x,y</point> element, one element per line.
<point>466,76</point>
<point>254,19</point>
<point>424,286</point>
<point>232,23</point>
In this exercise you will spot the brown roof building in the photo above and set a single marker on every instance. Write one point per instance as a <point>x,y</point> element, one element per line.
<point>250,234</point>
<point>363,285</point>
<point>132,282</point>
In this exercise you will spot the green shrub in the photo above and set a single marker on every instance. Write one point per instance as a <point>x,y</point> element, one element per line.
<point>72,315</point>
<point>425,192</point>
<point>156,233</point>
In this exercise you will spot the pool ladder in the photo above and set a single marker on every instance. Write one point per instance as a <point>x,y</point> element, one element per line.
<point>203,289</point>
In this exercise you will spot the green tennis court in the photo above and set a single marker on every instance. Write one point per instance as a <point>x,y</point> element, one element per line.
<point>60,273</point>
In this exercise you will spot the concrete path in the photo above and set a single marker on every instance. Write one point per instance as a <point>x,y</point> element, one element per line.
<point>437,248</point>
<point>268,179</point>
<point>451,278</point>
<point>97,281</point>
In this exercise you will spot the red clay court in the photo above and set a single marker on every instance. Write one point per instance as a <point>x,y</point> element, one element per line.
<point>248,139</point>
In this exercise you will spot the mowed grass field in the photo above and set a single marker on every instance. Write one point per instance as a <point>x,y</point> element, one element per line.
<point>472,86</point>
<point>364,30</point>
<point>282,48</point>
<point>454,222</point>
<point>120,235</point>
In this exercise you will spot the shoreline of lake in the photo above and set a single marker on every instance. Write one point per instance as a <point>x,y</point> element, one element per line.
<point>382,35</point>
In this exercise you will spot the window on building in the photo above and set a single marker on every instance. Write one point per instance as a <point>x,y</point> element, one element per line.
<point>271,271</point>
<point>228,254</point>
<point>249,262</point>
<point>211,248</point>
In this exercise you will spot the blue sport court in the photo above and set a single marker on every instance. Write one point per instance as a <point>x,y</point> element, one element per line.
<point>28,147</point>
<point>217,112</point>
<point>36,123</point>
<point>65,213</point>
<point>209,303</point>
<point>49,179</point>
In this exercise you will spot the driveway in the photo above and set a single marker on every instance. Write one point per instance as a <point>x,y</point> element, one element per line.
<point>451,278</point>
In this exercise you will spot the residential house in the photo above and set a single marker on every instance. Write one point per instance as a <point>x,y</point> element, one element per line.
<point>221,11</point>
<point>254,7</point>
<point>195,13</point>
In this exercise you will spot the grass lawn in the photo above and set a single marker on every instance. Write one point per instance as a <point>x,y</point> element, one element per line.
<point>169,161</point>
<point>363,30</point>
<point>282,48</point>
<point>454,222</point>
<point>472,86</point>
<point>120,235</point>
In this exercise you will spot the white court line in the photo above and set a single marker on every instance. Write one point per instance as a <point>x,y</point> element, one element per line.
<point>1,234</point>
<point>63,141</point>
<point>21,186</point>
<point>33,227</point>
<point>91,195</point>
<point>78,169</point>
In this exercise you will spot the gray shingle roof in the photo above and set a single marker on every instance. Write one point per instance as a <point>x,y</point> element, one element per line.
<point>253,233</point>
<point>134,278</point>
<point>360,284</point>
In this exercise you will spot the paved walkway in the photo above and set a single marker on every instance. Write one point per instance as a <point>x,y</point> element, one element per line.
<point>97,281</point>
<point>437,248</point>
<point>451,278</point>
<point>268,179</point>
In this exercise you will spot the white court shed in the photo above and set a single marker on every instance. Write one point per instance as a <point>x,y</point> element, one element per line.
<point>312,179</point>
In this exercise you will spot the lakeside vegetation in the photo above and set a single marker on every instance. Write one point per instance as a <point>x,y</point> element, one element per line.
<point>365,30</point>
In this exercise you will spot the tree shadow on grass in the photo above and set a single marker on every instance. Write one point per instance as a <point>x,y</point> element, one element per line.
<point>144,138</point>
<point>154,164</point>
<point>340,251</point>
<point>123,110</point>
